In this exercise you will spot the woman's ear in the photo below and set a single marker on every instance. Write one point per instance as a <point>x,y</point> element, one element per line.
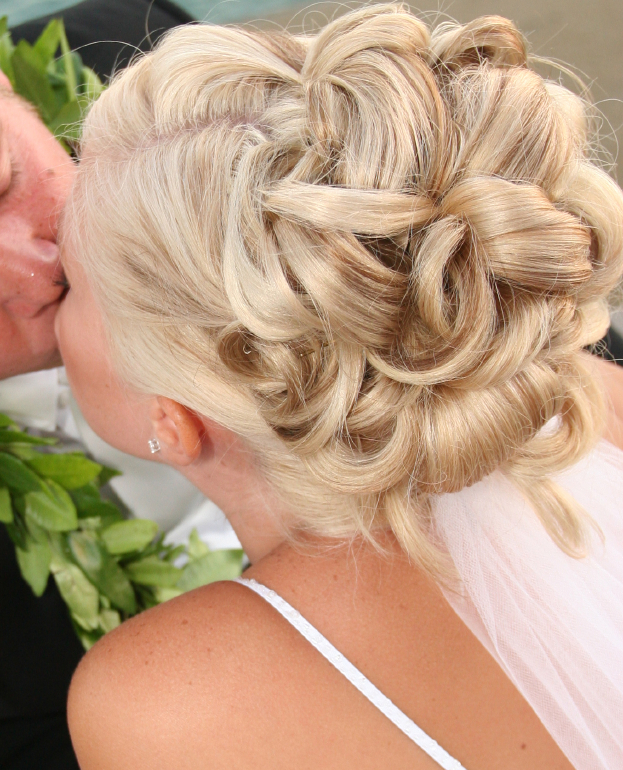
<point>179,431</point>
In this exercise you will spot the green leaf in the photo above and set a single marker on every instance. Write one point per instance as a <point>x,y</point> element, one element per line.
<point>79,593</point>
<point>175,553</point>
<point>34,564</point>
<point>19,437</point>
<point>37,533</point>
<point>196,547</point>
<point>59,493</point>
<point>48,41</point>
<point>156,548</point>
<point>109,619</point>
<point>89,504</point>
<point>152,571</point>
<point>6,50</point>
<point>92,523</point>
<point>67,123</point>
<point>6,507</point>
<point>91,84</point>
<point>102,570</point>
<point>166,594</point>
<point>107,474</point>
<point>106,512</point>
<point>59,546</point>
<point>71,471</point>
<point>88,638</point>
<point>213,566</point>
<point>19,506</point>
<point>128,536</point>
<point>70,72</point>
<point>6,422</point>
<point>16,475</point>
<point>18,533</point>
<point>31,82</point>
<point>53,510</point>
<point>146,597</point>
<point>62,89</point>
<point>22,451</point>
<point>85,495</point>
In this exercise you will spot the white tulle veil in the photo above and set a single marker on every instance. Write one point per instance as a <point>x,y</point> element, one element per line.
<point>554,623</point>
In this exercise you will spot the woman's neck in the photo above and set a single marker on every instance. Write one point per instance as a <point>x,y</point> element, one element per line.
<point>231,480</point>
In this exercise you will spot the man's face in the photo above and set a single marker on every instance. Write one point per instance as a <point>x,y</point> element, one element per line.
<point>35,178</point>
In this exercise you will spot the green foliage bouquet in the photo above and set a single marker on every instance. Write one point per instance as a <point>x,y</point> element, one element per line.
<point>107,568</point>
<point>60,87</point>
<point>55,504</point>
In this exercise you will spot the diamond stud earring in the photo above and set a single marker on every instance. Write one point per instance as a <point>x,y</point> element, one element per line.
<point>154,445</point>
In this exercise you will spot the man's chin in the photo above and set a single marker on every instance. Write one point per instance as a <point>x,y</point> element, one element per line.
<point>34,363</point>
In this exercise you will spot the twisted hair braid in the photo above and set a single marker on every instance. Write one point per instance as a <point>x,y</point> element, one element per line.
<point>375,253</point>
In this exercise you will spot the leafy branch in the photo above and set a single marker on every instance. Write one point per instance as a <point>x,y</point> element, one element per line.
<point>60,87</point>
<point>107,568</point>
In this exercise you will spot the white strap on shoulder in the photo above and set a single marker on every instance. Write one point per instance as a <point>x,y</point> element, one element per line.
<point>355,677</point>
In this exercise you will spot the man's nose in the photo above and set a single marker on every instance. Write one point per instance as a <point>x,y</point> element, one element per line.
<point>29,276</point>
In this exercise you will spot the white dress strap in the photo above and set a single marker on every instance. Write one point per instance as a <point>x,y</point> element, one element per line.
<point>355,677</point>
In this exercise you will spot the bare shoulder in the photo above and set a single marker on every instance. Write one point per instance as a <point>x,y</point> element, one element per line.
<point>168,687</point>
<point>217,678</point>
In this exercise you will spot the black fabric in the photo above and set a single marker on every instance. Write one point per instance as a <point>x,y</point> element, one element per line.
<point>39,649</point>
<point>126,23</point>
<point>36,743</point>
<point>38,646</point>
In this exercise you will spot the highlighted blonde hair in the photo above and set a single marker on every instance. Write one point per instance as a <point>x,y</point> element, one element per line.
<point>375,253</point>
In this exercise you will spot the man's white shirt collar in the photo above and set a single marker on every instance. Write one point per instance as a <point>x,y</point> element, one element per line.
<point>36,399</point>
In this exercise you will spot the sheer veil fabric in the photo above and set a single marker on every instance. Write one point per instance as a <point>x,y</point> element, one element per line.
<point>554,623</point>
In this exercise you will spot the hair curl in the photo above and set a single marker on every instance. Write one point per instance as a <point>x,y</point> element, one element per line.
<point>375,253</point>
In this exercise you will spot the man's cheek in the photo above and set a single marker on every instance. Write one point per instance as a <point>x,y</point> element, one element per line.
<point>12,349</point>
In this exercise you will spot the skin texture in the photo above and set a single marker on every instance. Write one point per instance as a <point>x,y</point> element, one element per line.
<point>612,378</point>
<point>35,178</point>
<point>217,678</point>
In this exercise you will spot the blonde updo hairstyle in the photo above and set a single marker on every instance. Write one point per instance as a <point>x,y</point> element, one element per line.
<point>374,253</point>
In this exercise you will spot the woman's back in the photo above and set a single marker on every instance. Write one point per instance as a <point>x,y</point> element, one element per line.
<point>219,679</point>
